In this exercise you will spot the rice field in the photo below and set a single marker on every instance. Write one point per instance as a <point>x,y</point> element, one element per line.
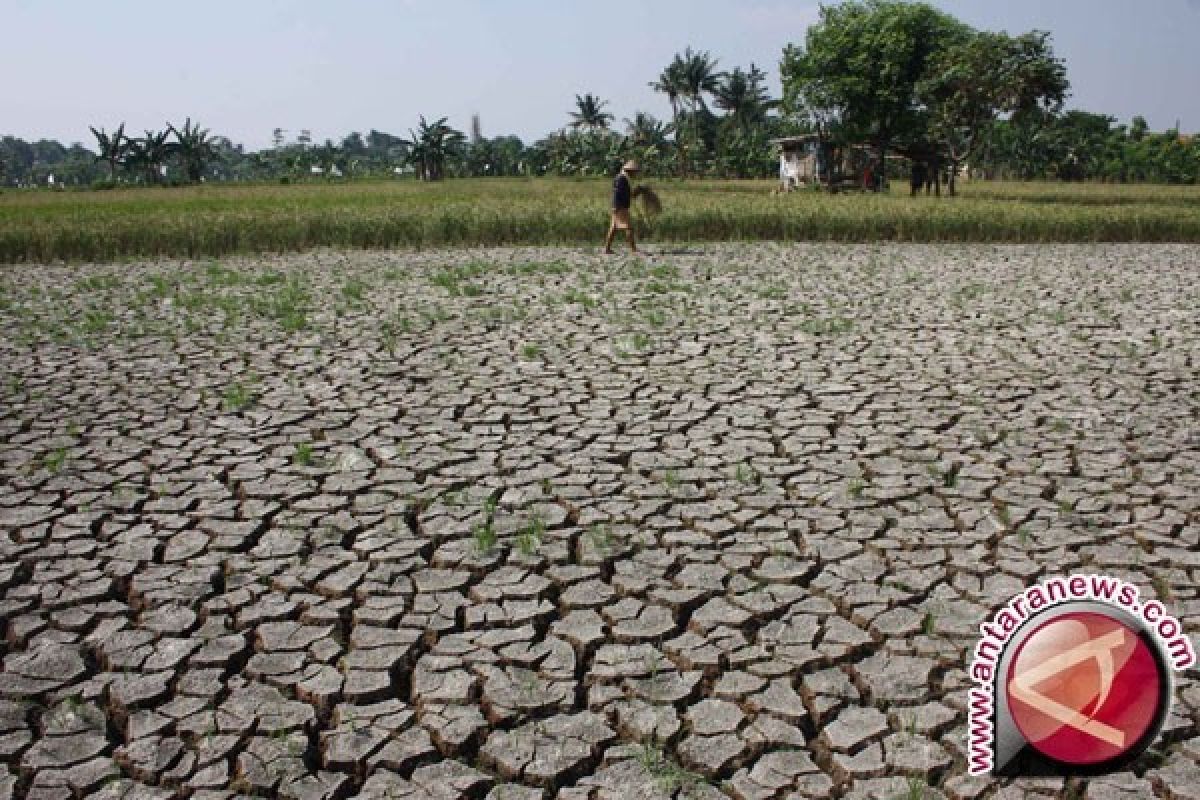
<point>42,226</point>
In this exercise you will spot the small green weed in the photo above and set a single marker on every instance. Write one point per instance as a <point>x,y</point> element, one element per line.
<point>237,397</point>
<point>354,292</point>
<point>304,455</point>
<point>530,537</point>
<point>54,460</point>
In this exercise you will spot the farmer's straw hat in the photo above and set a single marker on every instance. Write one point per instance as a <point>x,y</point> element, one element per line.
<point>631,166</point>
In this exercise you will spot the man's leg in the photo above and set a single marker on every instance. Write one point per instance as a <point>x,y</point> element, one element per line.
<point>612,229</point>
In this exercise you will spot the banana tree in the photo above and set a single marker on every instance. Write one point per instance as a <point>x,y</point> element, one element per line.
<point>150,153</point>
<point>195,147</point>
<point>431,144</point>
<point>113,148</point>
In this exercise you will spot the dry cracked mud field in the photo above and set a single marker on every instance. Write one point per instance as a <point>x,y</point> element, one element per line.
<point>532,523</point>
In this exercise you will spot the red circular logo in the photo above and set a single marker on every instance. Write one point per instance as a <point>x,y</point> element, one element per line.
<point>1084,688</point>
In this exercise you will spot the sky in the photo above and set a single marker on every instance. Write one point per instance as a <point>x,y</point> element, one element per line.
<point>242,69</point>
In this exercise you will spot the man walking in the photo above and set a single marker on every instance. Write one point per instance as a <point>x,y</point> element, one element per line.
<point>622,198</point>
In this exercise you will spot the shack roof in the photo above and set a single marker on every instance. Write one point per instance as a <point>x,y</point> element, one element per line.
<point>785,141</point>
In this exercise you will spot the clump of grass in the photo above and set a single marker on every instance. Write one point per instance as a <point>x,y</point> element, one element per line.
<point>1003,515</point>
<point>304,455</point>
<point>96,320</point>
<point>530,537</point>
<point>98,283</point>
<point>238,396</point>
<point>457,280</point>
<point>746,475</point>
<point>54,460</point>
<point>354,292</point>
<point>601,538</point>
<point>531,351</point>
<point>484,533</point>
<point>219,275</point>
<point>856,487</point>
<point>579,297</point>
<point>668,775</point>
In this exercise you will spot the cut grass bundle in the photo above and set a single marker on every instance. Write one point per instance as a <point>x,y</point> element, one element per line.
<point>651,204</point>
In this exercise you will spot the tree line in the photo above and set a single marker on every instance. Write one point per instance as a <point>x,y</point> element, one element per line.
<point>896,78</point>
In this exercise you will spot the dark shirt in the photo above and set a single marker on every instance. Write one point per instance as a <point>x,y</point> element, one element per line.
<point>621,192</point>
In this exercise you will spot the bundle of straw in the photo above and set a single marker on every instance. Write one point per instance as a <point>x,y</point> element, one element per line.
<point>651,205</point>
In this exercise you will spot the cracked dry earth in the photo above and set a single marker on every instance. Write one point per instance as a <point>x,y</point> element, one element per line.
<point>532,523</point>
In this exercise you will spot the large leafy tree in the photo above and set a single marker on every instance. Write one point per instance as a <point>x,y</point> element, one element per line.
<point>858,72</point>
<point>976,79</point>
<point>195,147</point>
<point>113,148</point>
<point>589,113</point>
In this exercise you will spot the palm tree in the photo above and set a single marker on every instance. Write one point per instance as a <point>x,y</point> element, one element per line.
<point>430,145</point>
<point>698,75</point>
<point>743,96</point>
<point>150,153</point>
<point>646,131</point>
<point>590,113</point>
<point>112,148</point>
<point>685,81</point>
<point>670,83</point>
<point>196,149</point>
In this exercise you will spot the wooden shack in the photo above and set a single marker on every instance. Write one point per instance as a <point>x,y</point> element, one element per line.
<point>807,160</point>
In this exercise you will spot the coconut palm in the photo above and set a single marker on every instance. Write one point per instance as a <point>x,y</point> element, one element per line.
<point>113,149</point>
<point>670,83</point>
<point>431,144</point>
<point>590,114</point>
<point>743,96</point>
<point>685,81</point>
<point>698,75</point>
<point>195,148</point>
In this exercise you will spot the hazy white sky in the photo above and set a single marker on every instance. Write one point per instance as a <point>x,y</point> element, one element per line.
<point>244,68</point>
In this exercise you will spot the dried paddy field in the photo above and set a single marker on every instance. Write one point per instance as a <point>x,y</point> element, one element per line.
<point>526,523</point>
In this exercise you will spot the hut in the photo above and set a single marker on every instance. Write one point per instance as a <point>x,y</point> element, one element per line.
<point>807,160</point>
<point>799,163</point>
